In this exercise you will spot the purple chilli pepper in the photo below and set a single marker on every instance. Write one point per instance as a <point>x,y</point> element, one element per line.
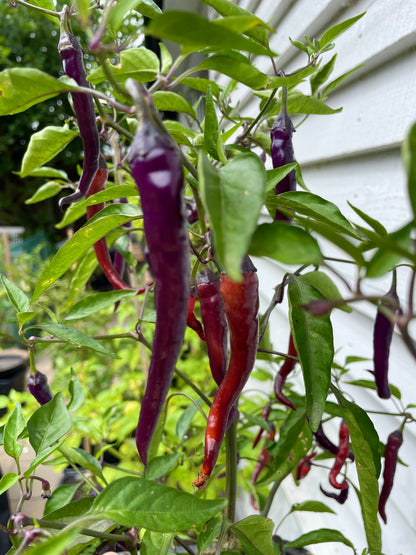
<point>156,166</point>
<point>281,150</point>
<point>394,442</point>
<point>37,383</point>
<point>71,55</point>
<point>382,337</point>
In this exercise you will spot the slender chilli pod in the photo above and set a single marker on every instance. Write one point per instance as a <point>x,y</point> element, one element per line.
<point>264,459</point>
<point>192,321</point>
<point>304,466</point>
<point>342,454</point>
<point>394,442</point>
<point>340,497</point>
<point>265,416</point>
<point>71,55</point>
<point>241,301</point>
<point>156,166</point>
<point>324,442</point>
<point>282,374</point>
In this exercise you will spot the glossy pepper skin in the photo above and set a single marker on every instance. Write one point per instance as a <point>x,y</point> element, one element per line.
<point>265,416</point>
<point>282,374</point>
<point>394,442</point>
<point>340,497</point>
<point>327,444</point>
<point>304,466</point>
<point>156,166</point>
<point>264,459</point>
<point>241,302</point>
<point>281,151</point>
<point>215,323</point>
<point>341,457</point>
<point>382,337</point>
<point>37,383</point>
<point>71,55</point>
<point>192,321</point>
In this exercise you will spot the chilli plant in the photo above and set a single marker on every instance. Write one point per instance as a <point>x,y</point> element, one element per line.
<point>175,202</point>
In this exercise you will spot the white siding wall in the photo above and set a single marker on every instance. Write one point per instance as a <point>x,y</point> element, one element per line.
<point>355,156</point>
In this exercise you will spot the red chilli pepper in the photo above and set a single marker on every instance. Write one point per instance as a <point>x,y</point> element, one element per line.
<point>264,459</point>
<point>241,301</point>
<point>304,466</point>
<point>394,442</point>
<point>215,323</point>
<point>282,374</point>
<point>324,442</point>
<point>265,416</point>
<point>342,454</point>
<point>192,321</point>
<point>156,165</point>
<point>71,55</point>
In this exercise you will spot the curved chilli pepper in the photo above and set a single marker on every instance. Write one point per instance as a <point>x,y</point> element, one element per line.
<point>281,150</point>
<point>192,321</point>
<point>304,466</point>
<point>340,497</point>
<point>156,166</point>
<point>342,453</point>
<point>382,337</point>
<point>241,302</point>
<point>37,383</point>
<point>394,442</point>
<point>327,444</point>
<point>265,416</point>
<point>282,374</point>
<point>215,323</point>
<point>100,247</point>
<point>264,459</point>
<point>71,55</point>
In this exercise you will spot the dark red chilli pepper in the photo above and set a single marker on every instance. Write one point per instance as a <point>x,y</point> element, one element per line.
<point>327,444</point>
<point>264,459</point>
<point>394,442</point>
<point>241,302</point>
<point>265,416</point>
<point>37,383</point>
<point>100,247</point>
<point>71,55</point>
<point>341,457</point>
<point>340,497</point>
<point>382,337</point>
<point>156,165</point>
<point>304,466</point>
<point>215,323</point>
<point>281,150</point>
<point>192,321</point>
<point>282,374</point>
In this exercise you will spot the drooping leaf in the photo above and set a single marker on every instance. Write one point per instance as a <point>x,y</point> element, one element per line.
<point>48,424</point>
<point>83,459</point>
<point>255,534</point>
<point>139,64</point>
<point>201,84</point>
<point>338,81</point>
<point>393,248</point>
<point>324,284</point>
<point>321,76</point>
<point>312,506</point>
<point>237,68</point>
<point>156,543</point>
<point>16,296</point>
<point>324,535</point>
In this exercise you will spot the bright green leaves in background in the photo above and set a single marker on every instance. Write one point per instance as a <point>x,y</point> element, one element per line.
<point>233,197</point>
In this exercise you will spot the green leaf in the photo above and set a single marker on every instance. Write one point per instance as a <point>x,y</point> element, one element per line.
<point>365,444</point>
<point>76,392</point>
<point>338,81</point>
<point>212,138</point>
<point>369,384</point>
<point>210,531</point>
<point>110,218</point>
<point>166,59</point>
<point>311,506</point>
<point>255,534</point>
<point>173,102</point>
<point>71,511</point>
<point>233,198</point>
<point>160,466</point>
<point>409,161</point>
<point>285,242</point>
<point>46,171</point>
<point>48,424</point>
<point>155,543</point>
<point>16,296</point>
<point>45,145</point>
<point>147,504</point>
<point>184,421</point>
<point>275,175</point>
<point>321,76</point>
<point>148,8</point>
<point>75,337</point>
<point>375,224</point>
<point>96,302</point>
<point>14,426</point>
<point>83,459</point>
<point>193,32</point>
<point>394,247</point>
<point>324,284</point>
<point>121,8</point>
<point>299,103</point>
<point>7,481</point>
<point>140,64</point>
<point>201,84</point>
<point>324,535</point>
<point>56,545</point>
<point>24,317</point>
<point>313,340</point>
<point>239,70</point>
<point>41,457</point>
<point>48,190</point>
<point>337,30</point>
<point>23,87</point>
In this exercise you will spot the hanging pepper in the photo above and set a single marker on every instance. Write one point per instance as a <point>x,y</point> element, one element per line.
<point>156,166</point>
<point>71,54</point>
<point>304,466</point>
<point>192,321</point>
<point>342,454</point>
<point>382,337</point>
<point>264,459</point>
<point>282,374</point>
<point>241,301</point>
<point>340,497</point>
<point>394,442</point>
<point>37,383</point>
<point>265,416</point>
<point>327,444</point>
<point>281,150</point>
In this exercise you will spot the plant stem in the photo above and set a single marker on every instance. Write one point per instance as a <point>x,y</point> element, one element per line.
<point>38,8</point>
<point>231,470</point>
<point>270,498</point>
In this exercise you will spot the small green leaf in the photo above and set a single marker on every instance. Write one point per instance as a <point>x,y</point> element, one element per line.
<point>368,384</point>
<point>236,67</point>
<point>83,459</point>
<point>322,74</point>
<point>16,296</point>
<point>276,175</point>
<point>120,9</point>
<point>285,242</point>
<point>7,481</point>
<point>212,138</point>
<point>156,543</point>
<point>76,392</point>
<point>166,60</point>
<point>338,81</point>
<point>255,534</point>
<point>174,102</point>
<point>48,190</point>
<point>14,426</point>
<point>324,535</point>
<point>75,337</point>
<point>201,84</point>
<point>409,161</point>
<point>333,32</point>
<point>139,64</point>
<point>48,424</point>
<point>46,171</point>
<point>184,421</point>
<point>41,457</point>
<point>96,302</point>
<point>324,284</point>
<point>375,224</point>
<point>299,103</point>
<point>392,249</point>
<point>24,317</point>
<point>45,145</point>
<point>312,506</point>
<point>160,466</point>
<point>148,8</point>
